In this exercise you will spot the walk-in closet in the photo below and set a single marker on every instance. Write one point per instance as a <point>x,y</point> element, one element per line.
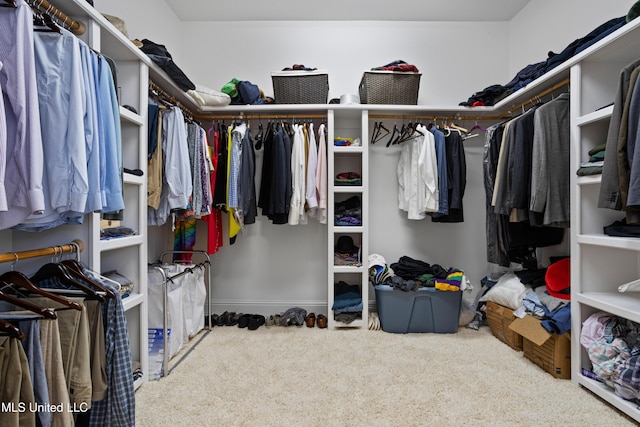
<point>329,213</point>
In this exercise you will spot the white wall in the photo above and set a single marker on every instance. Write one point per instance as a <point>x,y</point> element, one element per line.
<point>551,25</point>
<point>147,19</point>
<point>451,56</point>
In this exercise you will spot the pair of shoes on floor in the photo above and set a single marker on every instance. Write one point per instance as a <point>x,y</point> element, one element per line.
<point>228,318</point>
<point>251,321</point>
<point>312,320</point>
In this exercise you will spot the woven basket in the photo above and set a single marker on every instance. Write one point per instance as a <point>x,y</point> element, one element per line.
<point>300,87</point>
<point>389,87</point>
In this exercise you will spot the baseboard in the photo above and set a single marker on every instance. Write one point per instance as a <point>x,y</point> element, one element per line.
<point>270,307</point>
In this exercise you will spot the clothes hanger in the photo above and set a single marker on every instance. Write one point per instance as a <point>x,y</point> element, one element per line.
<point>8,3</point>
<point>393,134</point>
<point>75,268</point>
<point>16,279</point>
<point>62,273</point>
<point>47,313</point>
<point>11,330</point>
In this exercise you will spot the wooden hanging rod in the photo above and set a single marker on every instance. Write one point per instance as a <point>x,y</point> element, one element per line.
<point>266,116</point>
<point>76,27</point>
<point>155,87</point>
<point>432,117</point>
<point>76,246</point>
<point>535,98</point>
<point>459,117</point>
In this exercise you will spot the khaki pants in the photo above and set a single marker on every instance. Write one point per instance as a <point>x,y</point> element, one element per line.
<point>16,390</point>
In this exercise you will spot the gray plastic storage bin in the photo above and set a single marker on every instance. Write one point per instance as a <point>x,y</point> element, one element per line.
<point>424,310</point>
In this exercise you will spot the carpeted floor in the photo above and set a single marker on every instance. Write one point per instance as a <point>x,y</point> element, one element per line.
<point>299,376</point>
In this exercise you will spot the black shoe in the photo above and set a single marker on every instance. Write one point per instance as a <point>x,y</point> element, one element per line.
<point>243,321</point>
<point>256,321</point>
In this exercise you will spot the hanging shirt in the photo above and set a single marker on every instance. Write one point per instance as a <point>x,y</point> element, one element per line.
<point>321,176</point>
<point>312,167</point>
<point>3,152</point>
<point>62,110</point>
<point>91,131</point>
<point>550,190</point>
<point>443,182</point>
<point>110,137</point>
<point>24,158</point>
<point>296,212</point>
<point>176,181</point>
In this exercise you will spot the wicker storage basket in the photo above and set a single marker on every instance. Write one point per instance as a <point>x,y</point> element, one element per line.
<point>389,87</point>
<point>300,87</point>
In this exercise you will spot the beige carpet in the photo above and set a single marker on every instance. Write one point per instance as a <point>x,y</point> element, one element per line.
<point>298,376</point>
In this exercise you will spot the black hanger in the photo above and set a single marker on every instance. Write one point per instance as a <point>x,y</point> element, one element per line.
<point>11,330</point>
<point>75,268</point>
<point>18,279</point>
<point>393,134</point>
<point>47,313</point>
<point>8,3</point>
<point>259,137</point>
<point>61,272</point>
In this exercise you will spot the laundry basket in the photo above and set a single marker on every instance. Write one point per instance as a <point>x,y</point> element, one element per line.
<point>389,87</point>
<point>300,87</point>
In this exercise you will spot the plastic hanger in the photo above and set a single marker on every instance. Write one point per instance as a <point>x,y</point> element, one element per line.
<point>8,3</point>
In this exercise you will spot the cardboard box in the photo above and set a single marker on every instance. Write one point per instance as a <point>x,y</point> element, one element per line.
<point>551,352</point>
<point>499,318</point>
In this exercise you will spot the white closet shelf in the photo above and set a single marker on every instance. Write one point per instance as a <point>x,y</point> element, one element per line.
<point>348,189</point>
<point>589,180</point>
<point>607,394</point>
<point>133,179</point>
<point>596,116</point>
<point>132,300</point>
<point>625,304</point>
<point>604,240</point>
<point>347,269</point>
<point>121,242</point>
<point>347,229</point>
<point>131,117</point>
<point>358,323</point>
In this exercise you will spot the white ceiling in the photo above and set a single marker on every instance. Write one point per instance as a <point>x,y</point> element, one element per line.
<point>331,10</point>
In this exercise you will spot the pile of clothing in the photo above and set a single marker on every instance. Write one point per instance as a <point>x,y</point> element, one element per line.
<point>612,345</point>
<point>595,163</point>
<point>347,302</point>
<point>348,212</point>
<point>494,93</point>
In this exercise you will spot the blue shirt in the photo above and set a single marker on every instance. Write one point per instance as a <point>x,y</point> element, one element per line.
<point>23,157</point>
<point>443,183</point>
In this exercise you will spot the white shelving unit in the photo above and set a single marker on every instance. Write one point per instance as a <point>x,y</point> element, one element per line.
<point>127,255</point>
<point>599,263</point>
<point>348,123</point>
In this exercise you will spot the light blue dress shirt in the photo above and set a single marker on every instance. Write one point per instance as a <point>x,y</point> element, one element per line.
<point>24,158</point>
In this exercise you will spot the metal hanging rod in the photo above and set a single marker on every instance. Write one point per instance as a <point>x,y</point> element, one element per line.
<point>76,246</point>
<point>76,27</point>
